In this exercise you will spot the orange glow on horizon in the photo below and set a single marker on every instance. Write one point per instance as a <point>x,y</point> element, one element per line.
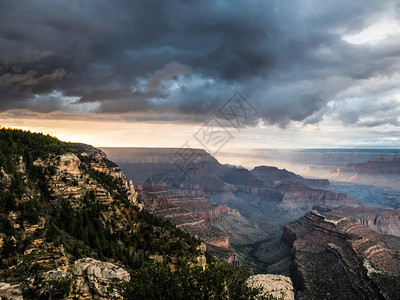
<point>108,133</point>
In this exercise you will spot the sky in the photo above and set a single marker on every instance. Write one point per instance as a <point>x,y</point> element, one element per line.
<point>259,74</point>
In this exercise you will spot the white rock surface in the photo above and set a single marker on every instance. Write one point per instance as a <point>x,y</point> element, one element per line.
<point>278,286</point>
<point>10,292</point>
<point>94,277</point>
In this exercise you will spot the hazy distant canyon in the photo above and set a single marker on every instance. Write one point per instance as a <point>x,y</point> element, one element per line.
<point>241,213</point>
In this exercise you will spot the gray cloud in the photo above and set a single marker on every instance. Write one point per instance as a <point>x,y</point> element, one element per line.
<point>181,60</point>
<point>168,72</point>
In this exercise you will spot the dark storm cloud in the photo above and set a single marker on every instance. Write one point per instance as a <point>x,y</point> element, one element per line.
<point>183,59</point>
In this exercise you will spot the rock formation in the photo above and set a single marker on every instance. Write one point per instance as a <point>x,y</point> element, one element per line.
<point>333,258</point>
<point>386,221</point>
<point>248,207</point>
<point>68,179</point>
<point>92,280</point>
<point>10,292</point>
<point>95,277</point>
<point>221,242</point>
<point>191,213</point>
<point>278,286</point>
<point>273,176</point>
<point>59,203</point>
<point>233,260</point>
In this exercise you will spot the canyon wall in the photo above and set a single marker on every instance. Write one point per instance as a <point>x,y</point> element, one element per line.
<point>333,258</point>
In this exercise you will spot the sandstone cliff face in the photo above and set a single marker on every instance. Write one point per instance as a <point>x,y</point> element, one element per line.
<point>188,211</point>
<point>221,242</point>
<point>333,258</point>
<point>215,213</point>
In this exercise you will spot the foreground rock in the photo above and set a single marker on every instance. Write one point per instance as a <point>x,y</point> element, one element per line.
<point>88,279</point>
<point>10,292</point>
<point>95,278</point>
<point>333,258</point>
<point>278,286</point>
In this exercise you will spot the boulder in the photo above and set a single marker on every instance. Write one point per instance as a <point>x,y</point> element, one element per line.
<point>95,278</point>
<point>279,286</point>
<point>10,292</point>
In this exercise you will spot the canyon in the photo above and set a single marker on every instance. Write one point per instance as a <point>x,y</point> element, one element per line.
<point>334,258</point>
<point>385,221</point>
<point>73,202</point>
<point>231,208</point>
<point>294,225</point>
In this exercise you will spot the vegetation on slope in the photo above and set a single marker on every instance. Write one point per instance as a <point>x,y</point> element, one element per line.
<point>217,281</point>
<point>37,223</point>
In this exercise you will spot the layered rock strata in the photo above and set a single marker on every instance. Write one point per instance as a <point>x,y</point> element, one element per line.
<point>333,258</point>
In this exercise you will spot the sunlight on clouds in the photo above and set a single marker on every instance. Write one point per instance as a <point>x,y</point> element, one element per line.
<point>374,33</point>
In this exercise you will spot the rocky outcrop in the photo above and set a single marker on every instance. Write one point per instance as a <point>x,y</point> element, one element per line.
<point>380,172</point>
<point>215,213</point>
<point>321,184</point>
<point>5,179</point>
<point>68,179</point>
<point>278,286</point>
<point>297,194</point>
<point>233,260</point>
<point>47,255</point>
<point>69,163</point>
<point>10,292</point>
<point>201,259</point>
<point>88,150</point>
<point>174,263</point>
<point>273,176</point>
<point>221,242</point>
<point>333,258</point>
<point>88,279</point>
<point>95,277</point>
<point>188,211</point>
<point>379,166</point>
<point>386,221</point>
<point>62,204</point>
<point>240,176</point>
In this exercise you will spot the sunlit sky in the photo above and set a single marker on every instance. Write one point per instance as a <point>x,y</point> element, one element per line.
<point>158,73</point>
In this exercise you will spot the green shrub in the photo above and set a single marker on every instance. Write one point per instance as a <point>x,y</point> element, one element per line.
<point>217,281</point>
